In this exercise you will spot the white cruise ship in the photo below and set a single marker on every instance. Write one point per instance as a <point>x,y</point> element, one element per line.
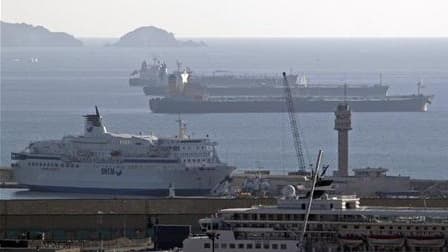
<point>102,162</point>
<point>335,223</point>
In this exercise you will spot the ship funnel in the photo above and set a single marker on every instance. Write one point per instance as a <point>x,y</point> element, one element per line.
<point>93,125</point>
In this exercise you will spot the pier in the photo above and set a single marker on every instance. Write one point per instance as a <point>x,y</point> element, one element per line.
<point>85,219</point>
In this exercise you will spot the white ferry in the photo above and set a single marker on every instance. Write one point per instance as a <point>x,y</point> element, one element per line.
<point>103,162</point>
<point>335,223</point>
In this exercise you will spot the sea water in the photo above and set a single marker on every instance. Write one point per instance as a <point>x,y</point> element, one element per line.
<point>44,92</point>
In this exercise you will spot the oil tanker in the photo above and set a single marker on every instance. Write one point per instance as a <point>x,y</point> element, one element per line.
<point>186,95</point>
<point>153,79</point>
<point>269,104</point>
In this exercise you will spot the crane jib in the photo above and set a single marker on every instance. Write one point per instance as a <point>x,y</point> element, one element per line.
<point>294,125</point>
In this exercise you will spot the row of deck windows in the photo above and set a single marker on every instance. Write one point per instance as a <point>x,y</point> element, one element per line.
<point>177,148</point>
<point>279,217</point>
<point>196,160</point>
<point>328,226</point>
<point>247,246</point>
<point>396,227</point>
<point>52,164</point>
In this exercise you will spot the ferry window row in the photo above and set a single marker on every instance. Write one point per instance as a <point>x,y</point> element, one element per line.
<point>177,148</point>
<point>53,164</point>
<point>195,160</point>
<point>125,141</point>
<point>279,217</point>
<point>189,155</point>
<point>281,246</point>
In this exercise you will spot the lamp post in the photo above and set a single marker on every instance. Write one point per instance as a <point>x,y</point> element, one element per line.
<point>213,236</point>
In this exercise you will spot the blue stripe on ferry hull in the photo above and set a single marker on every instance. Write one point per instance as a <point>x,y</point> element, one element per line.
<point>149,192</point>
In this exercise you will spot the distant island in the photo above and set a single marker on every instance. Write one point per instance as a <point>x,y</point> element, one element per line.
<point>151,36</point>
<point>29,35</point>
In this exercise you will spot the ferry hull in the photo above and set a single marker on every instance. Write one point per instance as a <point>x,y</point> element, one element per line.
<point>119,178</point>
<point>91,190</point>
<point>392,104</point>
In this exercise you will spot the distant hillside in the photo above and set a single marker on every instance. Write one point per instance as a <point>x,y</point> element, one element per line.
<point>29,35</point>
<point>150,36</point>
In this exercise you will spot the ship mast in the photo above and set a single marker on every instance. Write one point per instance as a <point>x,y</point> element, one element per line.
<point>179,65</point>
<point>419,87</point>
<point>311,195</point>
<point>182,129</point>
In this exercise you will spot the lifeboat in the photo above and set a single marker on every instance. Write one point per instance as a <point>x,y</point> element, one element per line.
<point>426,241</point>
<point>386,240</point>
<point>351,241</point>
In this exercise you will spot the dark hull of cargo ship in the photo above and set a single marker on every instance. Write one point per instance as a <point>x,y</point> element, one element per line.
<point>138,82</point>
<point>413,103</point>
<point>317,90</point>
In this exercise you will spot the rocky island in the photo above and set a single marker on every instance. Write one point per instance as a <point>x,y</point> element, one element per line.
<point>29,35</point>
<point>151,36</point>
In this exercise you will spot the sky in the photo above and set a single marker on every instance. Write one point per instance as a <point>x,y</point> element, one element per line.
<point>236,18</point>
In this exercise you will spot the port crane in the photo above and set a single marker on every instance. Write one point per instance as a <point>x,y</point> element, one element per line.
<point>294,126</point>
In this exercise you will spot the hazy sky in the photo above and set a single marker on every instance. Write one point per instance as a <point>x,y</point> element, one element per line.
<point>236,18</point>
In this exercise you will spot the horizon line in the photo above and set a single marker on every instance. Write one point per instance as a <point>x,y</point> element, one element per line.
<point>284,37</point>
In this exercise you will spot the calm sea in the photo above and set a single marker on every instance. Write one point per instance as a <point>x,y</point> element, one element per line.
<point>44,92</point>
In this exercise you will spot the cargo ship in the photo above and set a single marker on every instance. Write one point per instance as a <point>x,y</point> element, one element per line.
<point>153,79</point>
<point>191,97</point>
<point>103,162</point>
<point>297,90</point>
<point>270,104</point>
<point>154,74</point>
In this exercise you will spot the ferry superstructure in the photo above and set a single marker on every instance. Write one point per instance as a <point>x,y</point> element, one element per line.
<point>335,223</point>
<point>103,162</point>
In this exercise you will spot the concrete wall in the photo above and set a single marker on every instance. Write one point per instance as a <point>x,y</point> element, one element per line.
<point>6,175</point>
<point>370,186</point>
<point>86,218</point>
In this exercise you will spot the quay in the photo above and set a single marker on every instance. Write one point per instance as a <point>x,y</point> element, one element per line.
<point>84,219</point>
<point>90,219</point>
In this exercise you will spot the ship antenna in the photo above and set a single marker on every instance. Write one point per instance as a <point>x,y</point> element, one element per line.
<point>345,92</point>
<point>419,87</point>
<point>182,128</point>
<point>179,65</point>
<point>381,79</point>
<point>97,112</point>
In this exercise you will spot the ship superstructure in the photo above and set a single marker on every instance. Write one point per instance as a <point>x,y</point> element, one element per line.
<point>155,73</point>
<point>335,223</point>
<point>101,161</point>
